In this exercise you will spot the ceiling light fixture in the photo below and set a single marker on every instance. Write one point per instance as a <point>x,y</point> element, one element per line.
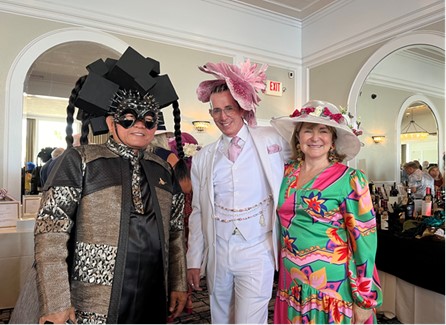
<point>201,126</point>
<point>378,138</point>
<point>413,131</point>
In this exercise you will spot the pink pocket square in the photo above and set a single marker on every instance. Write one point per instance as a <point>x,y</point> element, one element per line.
<point>274,148</point>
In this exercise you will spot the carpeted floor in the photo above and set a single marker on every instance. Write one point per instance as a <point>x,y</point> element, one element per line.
<point>201,314</point>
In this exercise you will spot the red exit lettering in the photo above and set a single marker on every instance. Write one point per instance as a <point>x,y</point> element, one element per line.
<point>274,86</point>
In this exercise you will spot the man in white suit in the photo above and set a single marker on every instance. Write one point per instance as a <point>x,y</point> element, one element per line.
<point>232,229</point>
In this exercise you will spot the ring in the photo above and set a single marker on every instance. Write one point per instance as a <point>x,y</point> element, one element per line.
<point>192,285</point>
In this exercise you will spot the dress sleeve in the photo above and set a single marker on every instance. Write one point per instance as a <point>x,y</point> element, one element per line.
<point>360,222</point>
<point>54,222</point>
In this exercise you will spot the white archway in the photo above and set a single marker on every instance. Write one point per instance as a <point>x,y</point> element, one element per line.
<point>433,38</point>
<point>434,109</point>
<point>14,92</point>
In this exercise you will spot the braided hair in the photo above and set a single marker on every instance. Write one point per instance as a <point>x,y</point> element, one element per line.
<point>70,112</point>
<point>181,170</point>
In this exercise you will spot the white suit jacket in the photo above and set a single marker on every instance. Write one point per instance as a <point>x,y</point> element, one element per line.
<point>273,151</point>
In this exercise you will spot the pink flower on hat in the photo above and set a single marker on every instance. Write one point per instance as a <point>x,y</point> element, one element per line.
<point>341,118</point>
<point>244,82</point>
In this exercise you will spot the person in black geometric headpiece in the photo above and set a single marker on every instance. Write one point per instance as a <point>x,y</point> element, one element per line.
<point>109,236</point>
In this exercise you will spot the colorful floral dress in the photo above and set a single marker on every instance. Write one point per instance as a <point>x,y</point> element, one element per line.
<point>328,246</point>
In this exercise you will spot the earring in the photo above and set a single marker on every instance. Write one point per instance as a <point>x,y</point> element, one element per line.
<point>299,153</point>
<point>332,155</point>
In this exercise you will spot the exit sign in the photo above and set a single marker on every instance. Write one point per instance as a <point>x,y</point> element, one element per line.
<point>273,88</point>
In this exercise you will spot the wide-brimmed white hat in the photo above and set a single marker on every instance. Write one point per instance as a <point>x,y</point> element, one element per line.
<point>321,112</point>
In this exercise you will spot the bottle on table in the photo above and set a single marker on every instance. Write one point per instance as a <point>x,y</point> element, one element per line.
<point>410,205</point>
<point>384,193</point>
<point>384,215</point>
<point>393,197</point>
<point>426,204</point>
<point>377,197</point>
<point>439,199</point>
<point>394,191</point>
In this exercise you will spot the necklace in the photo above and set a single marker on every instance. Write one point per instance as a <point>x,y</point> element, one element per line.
<point>305,176</point>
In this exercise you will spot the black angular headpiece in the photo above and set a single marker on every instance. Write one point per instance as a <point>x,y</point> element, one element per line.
<point>132,72</point>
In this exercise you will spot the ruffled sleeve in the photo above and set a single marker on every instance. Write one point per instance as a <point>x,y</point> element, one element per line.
<point>360,220</point>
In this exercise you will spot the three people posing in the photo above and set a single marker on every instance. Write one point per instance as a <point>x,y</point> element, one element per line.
<point>235,237</point>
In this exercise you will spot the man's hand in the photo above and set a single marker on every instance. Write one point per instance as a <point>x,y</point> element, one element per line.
<point>193,279</point>
<point>60,317</point>
<point>360,315</point>
<point>177,302</point>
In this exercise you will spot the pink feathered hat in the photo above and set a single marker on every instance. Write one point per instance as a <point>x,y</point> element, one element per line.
<point>244,82</point>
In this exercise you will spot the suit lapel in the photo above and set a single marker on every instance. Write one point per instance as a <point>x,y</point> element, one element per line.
<point>210,160</point>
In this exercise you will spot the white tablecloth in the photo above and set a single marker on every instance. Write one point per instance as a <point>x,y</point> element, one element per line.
<point>16,258</point>
<point>411,304</point>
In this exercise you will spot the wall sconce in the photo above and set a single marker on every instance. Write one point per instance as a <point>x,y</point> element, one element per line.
<point>378,138</point>
<point>201,126</point>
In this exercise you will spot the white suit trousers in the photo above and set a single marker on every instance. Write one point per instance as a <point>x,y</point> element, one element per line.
<point>243,280</point>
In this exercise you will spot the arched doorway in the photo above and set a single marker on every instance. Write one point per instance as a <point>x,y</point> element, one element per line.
<point>15,87</point>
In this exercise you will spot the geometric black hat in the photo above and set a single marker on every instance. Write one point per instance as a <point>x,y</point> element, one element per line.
<point>131,72</point>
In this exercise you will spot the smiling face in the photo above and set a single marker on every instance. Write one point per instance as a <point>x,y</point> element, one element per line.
<point>137,136</point>
<point>315,140</point>
<point>227,114</point>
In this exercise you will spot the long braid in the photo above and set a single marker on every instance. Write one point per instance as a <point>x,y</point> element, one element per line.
<point>180,168</point>
<point>85,130</point>
<point>177,128</point>
<point>71,109</point>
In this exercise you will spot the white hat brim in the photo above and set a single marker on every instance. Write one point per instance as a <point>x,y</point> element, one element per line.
<point>347,143</point>
<point>169,135</point>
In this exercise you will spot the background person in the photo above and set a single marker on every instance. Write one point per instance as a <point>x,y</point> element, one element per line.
<point>232,234</point>
<point>44,156</point>
<point>160,143</point>
<point>182,173</point>
<point>327,268</point>
<point>418,180</point>
<point>27,174</point>
<point>46,169</point>
<point>435,173</point>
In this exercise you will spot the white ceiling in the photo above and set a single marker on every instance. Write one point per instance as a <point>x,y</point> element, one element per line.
<point>299,9</point>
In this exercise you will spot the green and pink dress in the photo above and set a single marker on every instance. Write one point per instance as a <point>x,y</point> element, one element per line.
<point>328,247</point>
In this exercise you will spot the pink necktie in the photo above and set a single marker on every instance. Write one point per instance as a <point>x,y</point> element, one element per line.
<point>234,149</point>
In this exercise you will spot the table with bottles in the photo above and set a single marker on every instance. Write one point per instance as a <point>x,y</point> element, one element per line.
<point>411,254</point>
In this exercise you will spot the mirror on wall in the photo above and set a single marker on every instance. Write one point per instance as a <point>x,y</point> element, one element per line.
<point>407,84</point>
<point>48,85</point>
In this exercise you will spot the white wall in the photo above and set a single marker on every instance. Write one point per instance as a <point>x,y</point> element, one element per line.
<point>180,34</point>
<point>213,27</point>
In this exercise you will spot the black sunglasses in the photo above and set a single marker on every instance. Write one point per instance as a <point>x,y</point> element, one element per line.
<point>128,119</point>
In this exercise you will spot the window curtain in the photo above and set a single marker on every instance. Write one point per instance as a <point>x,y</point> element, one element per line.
<point>97,139</point>
<point>30,154</point>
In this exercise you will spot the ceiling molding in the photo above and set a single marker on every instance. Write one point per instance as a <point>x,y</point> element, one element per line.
<point>378,34</point>
<point>264,13</point>
<point>164,34</point>
<point>412,86</point>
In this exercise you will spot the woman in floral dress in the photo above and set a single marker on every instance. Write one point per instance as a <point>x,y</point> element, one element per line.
<point>328,230</point>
